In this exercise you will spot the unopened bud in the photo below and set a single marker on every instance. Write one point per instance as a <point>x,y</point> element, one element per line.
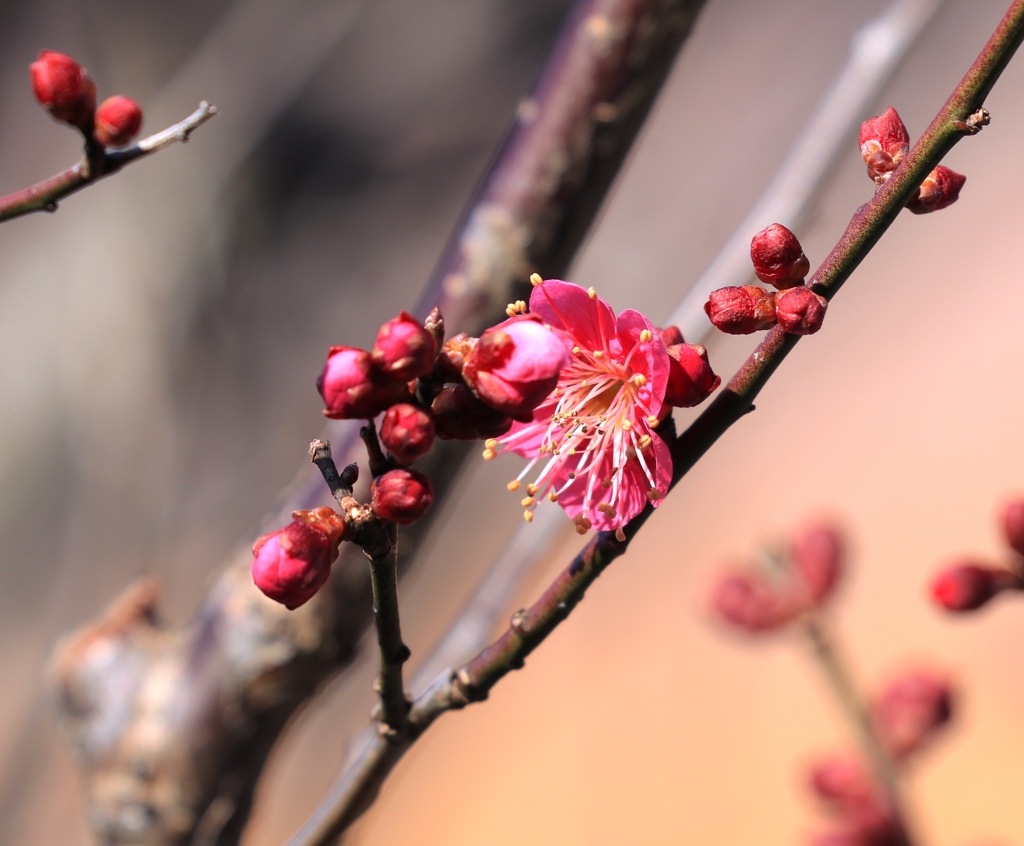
<point>884,142</point>
<point>911,710</point>
<point>747,601</point>
<point>800,311</point>
<point>778,258</point>
<point>405,349</point>
<point>940,188</point>
<point>817,555</point>
<point>118,120</point>
<point>402,496</point>
<point>969,586</point>
<point>671,335</point>
<point>353,389</point>
<point>1013,524</point>
<point>64,88</point>
<point>459,415</point>
<point>690,377</point>
<point>407,432</point>
<point>741,310</point>
<point>840,778</point>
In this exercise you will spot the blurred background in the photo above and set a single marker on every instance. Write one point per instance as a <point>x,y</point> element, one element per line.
<point>160,337</point>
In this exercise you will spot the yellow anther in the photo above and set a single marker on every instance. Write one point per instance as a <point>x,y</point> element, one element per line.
<point>513,485</point>
<point>511,312</point>
<point>620,535</point>
<point>652,420</point>
<point>521,306</point>
<point>531,490</point>
<point>552,496</point>
<point>646,336</point>
<point>645,442</point>
<point>639,380</point>
<point>488,454</point>
<point>626,426</point>
<point>653,494</point>
<point>572,451</point>
<point>598,353</point>
<point>606,508</point>
<point>592,293</point>
<point>490,443</point>
<point>535,279</point>
<point>584,384</point>
<point>575,350</point>
<point>528,516</point>
<point>527,501</point>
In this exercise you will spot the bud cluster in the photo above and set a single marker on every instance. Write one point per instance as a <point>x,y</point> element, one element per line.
<point>64,88</point>
<point>884,142</point>
<point>779,261</point>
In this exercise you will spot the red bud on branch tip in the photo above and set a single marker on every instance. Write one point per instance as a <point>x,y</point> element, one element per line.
<point>671,335</point>
<point>967,587</point>
<point>1013,524</point>
<point>884,141</point>
<point>118,121</point>
<point>742,310</point>
<point>353,389</point>
<point>778,258</point>
<point>800,311</point>
<point>407,432</point>
<point>459,415</point>
<point>940,188</point>
<point>64,88</point>
<point>748,602</point>
<point>690,377</point>
<point>402,496</point>
<point>817,555</point>
<point>405,349</point>
<point>911,711</point>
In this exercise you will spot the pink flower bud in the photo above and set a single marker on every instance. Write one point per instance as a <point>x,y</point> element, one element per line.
<point>292,564</point>
<point>671,335</point>
<point>1013,524</point>
<point>407,432</point>
<point>840,778</point>
<point>968,586</point>
<point>940,188</point>
<point>800,311</point>
<point>690,377</point>
<point>817,554</point>
<point>405,349</point>
<point>64,88</point>
<point>884,141</point>
<point>402,496</point>
<point>459,415</point>
<point>778,258</point>
<point>740,311</point>
<point>353,389</point>
<point>911,710</point>
<point>515,366</point>
<point>118,120</point>
<point>748,602</point>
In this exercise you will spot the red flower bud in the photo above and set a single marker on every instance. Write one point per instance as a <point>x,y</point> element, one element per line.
<point>353,389</point>
<point>407,432</point>
<point>671,335</point>
<point>690,377</point>
<point>292,564</point>
<point>405,349</point>
<point>968,586</point>
<point>940,188</point>
<point>740,311</point>
<point>402,496</point>
<point>778,258</point>
<point>515,366</point>
<point>749,602</point>
<point>817,554</point>
<point>64,88</point>
<point>800,311</point>
<point>884,141</point>
<point>911,711</point>
<point>459,415</point>
<point>841,778</point>
<point>1013,524</point>
<point>118,120</point>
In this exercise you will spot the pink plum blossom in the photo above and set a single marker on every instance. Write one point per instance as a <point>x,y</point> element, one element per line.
<point>593,439</point>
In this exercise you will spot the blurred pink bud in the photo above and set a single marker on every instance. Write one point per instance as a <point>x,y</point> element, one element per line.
<point>690,377</point>
<point>778,258</point>
<point>459,415</point>
<point>940,188</point>
<point>1013,524</point>
<point>407,432</point>
<point>292,564</point>
<point>671,335</point>
<point>402,496</point>
<point>748,602</point>
<point>64,88</point>
<point>800,311</point>
<point>405,349</point>
<point>840,778</point>
<point>911,710</point>
<point>353,389</point>
<point>968,586</point>
<point>118,120</point>
<point>884,141</point>
<point>516,365</point>
<point>817,554</point>
<point>741,310</point>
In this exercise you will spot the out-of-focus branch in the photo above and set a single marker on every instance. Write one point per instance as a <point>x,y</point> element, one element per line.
<point>43,196</point>
<point>172,727</point>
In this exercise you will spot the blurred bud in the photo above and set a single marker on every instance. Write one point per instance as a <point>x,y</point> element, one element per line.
<point>407,432</point>
<point>353,389</point>
<point>940,188</point>
<point>911,710</point>
<point>968,586</point>
<point>292,564</point>
<point>64,88</point>
<point>1013,524</point>
<point>402,496</point>
<point>778,258</point>
<point>748,602</point>
<point>690,377</point>
<point>840,778</point>
<point>118,120</point>
<point>884,141</point>
<point>515,366</point>
<point>740,311</point>
<point>817,555</point>
<point>800,311</point>
<point>671,335</point>
<point>459,415</point>
<point>405,349</point>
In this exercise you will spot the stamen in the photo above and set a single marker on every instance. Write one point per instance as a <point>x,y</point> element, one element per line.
<point>535,279</point>
<point>531,490</point>
<point>645,442</point>
<point>646,336</point>
<point>489,454</point>
<point>513,485</point>
<point>491,443</point>
<point>653,494</point>
<point>620,535</point>
<point>527,501</point>
<point>626,426</point>
<point>552,496</point>
<point>653,420</point>
<point>528,516</point>
<point>575,350</point>
<point>639,379</point>
<point>598,354</point>
<point>592,293</point>
<point>606,509</point>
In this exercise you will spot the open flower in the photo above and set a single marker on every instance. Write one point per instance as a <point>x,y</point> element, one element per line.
<point>593,438</point>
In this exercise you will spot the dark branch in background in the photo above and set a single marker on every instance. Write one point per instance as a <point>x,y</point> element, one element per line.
<point>213,697</point>
<point>96,164</point>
